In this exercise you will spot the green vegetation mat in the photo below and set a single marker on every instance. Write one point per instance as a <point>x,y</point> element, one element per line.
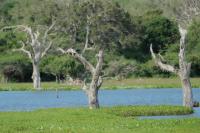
<point>105,120</point>
<point>108,84</point>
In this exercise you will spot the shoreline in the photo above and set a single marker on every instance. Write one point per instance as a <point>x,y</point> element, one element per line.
<point>139,83</point>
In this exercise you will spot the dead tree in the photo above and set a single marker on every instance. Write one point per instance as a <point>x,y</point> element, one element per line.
<point>35,47</point>
<point>92,89</point>
<point>183,71</point>
<point>185,13</point>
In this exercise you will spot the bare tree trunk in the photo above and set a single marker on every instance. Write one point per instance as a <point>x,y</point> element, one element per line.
<point>96,83</point>
<point>93,98</point>
<point>57,79</point>
<point>184,71</point>
<point>40,45</point>
<point>93,88</point>
<point>36,76</point>
<point>187,92</point>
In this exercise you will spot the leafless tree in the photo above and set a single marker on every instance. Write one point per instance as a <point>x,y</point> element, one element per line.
<point>35,47</point>
<point>185,14</point>
<point>90,89</point>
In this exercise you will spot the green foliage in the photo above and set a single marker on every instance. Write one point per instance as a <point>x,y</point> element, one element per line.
<point>131,111</point>
<point>145,70</point>
<point>150,28</point>
<point>5,41</point>
<point>149,69</point>
<point>193,47</point>
<point>9,40</point>
<point>107,23</point>
<point>5,7</point>
<point>19,64</point>
<point>34,12</point>
<point>159,31</point>
<point>120,68</point>
<point>138,7</point>
<point>61,66</point>
<point>125,28</point>
<point>171,54</point>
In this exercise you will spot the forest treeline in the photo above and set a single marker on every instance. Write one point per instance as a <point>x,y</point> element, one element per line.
<point>127,54</point>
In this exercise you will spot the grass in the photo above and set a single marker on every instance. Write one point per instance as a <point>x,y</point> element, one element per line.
<point>131,111</point>
<point>149,83</point>
<point>105,120</point>
<point>29,86</point>
<point>108,84</point>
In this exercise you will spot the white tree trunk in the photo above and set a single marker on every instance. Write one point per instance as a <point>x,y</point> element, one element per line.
<point>96,83</point>
<point>184,71</point>
<point>57,79</point>
<point>36,76</point>
<point>40,46</point>
<point>93,97</point>
<point>93,88</point>
<point>187,92</point>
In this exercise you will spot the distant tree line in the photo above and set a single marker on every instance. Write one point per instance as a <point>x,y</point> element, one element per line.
<point>130,57</point>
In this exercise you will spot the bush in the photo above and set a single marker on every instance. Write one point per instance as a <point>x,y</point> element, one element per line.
<point>15,67</point>
<point>157,30</point>
<point>193,47</point>
<point>121,68</point>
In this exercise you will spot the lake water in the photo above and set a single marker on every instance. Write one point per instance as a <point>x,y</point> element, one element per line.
<point>31,100</point>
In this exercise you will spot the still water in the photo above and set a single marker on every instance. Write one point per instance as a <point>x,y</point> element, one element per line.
<point>31,100</point>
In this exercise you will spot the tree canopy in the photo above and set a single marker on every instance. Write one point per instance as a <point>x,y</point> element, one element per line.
<point>112,25</point>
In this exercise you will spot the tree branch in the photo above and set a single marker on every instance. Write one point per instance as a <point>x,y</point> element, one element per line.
<point>96,76</point>
<point>26,29</point>
<point>86,39</point>
<point>24,50</point>
<point>100,59</point>
<point>162,66</point>
<point>161,57</point>
<point>100,82</point>
<point>182,62</point>
<point>46,49</point>
<point>80,58</point>
<point>36,35</point>
<point>47,32</point>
